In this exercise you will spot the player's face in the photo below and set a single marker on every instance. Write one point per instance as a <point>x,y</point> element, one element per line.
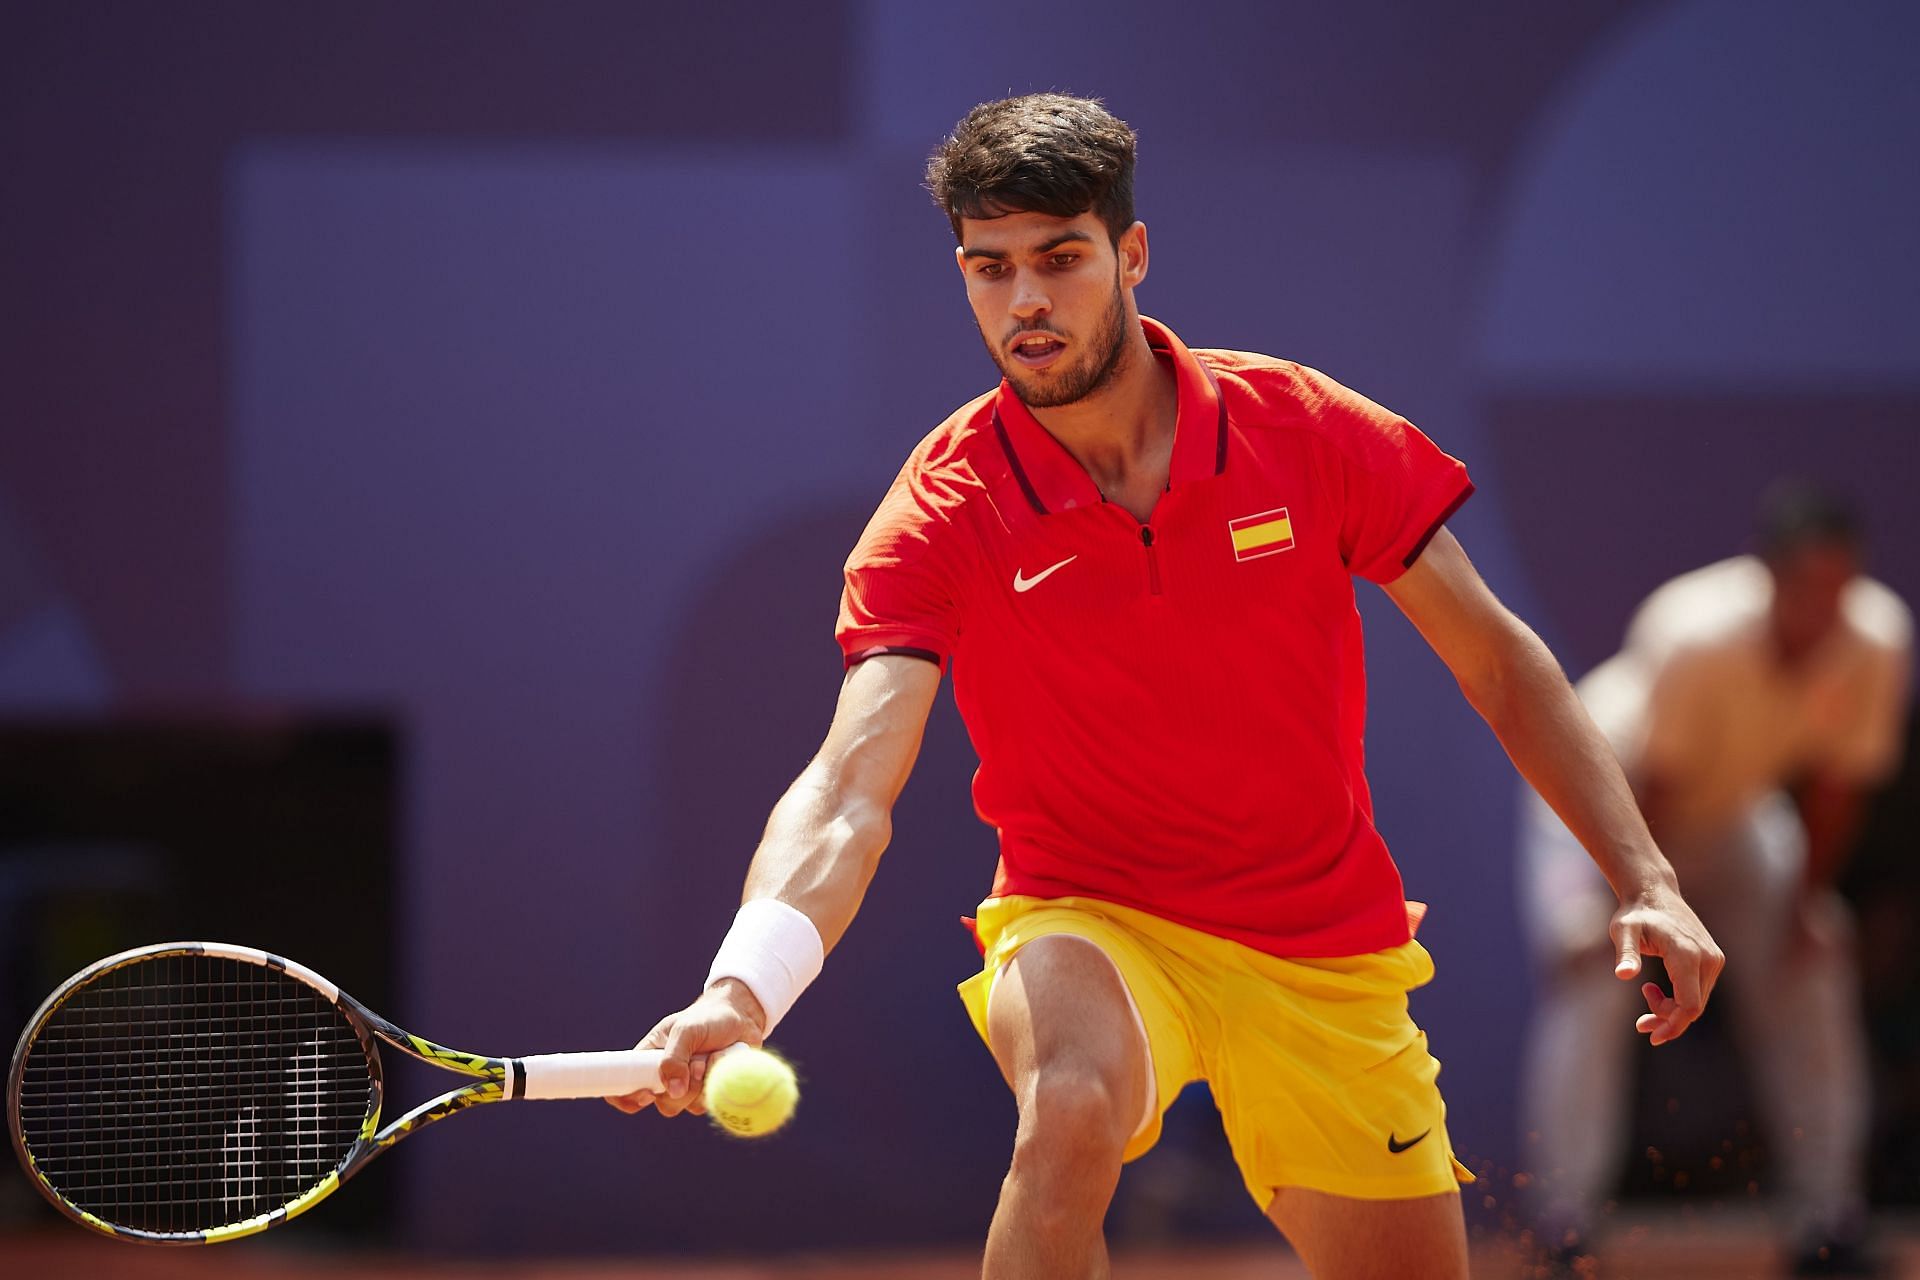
<point>1053,300</point>
<point>1809,586</point>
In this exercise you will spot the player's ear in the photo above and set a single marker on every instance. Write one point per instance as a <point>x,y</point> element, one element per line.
<point>1132,252</point>
<point>960,258</point>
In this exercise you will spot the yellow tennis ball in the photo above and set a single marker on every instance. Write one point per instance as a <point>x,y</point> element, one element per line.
<point>751,1092</point>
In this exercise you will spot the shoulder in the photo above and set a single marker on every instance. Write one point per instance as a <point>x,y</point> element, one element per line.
<point>1615,695</point>
<point>1286,393</point>
<point>1269,394</point>
<point>951,465</point>
<point>950,450</point>
<point>935,493</point>
<point>1702,611</point>
<point>1879,616</point>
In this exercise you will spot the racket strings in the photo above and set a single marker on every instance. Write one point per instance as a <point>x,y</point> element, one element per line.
<point>185,1092</point>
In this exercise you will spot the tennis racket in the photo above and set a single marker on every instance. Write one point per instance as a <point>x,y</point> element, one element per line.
<point>195,1092</point>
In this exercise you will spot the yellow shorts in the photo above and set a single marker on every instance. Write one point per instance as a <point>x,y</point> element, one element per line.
<point>1321,1077</point>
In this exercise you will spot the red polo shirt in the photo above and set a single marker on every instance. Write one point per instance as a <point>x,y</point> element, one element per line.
<point>1168,716</point>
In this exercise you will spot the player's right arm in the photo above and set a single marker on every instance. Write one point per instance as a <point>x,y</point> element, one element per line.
<point>817,856</point>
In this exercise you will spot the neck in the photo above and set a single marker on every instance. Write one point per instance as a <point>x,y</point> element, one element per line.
<point>1123,433</point>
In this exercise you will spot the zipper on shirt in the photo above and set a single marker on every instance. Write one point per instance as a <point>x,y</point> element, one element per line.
<point>1153,561</point>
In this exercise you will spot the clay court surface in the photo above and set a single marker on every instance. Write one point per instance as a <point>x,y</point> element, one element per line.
<point>1708,1246</point>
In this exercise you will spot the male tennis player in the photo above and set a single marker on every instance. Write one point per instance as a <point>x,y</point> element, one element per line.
<point>1739,683</point>
<point>1138,559</point>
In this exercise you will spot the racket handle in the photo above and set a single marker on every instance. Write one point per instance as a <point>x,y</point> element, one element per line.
<point>586,1075</point>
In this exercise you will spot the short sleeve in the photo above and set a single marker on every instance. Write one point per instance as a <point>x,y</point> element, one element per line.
<point>901,592</point>
<point>1395,486</point>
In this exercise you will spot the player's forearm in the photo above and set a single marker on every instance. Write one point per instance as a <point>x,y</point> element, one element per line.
<point>825,837</point>
<point>818,854</point>
<point>812,868</point>
<point>1526,700</point>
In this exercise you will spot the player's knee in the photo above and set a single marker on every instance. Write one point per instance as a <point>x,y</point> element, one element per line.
<point>1072,1115</point>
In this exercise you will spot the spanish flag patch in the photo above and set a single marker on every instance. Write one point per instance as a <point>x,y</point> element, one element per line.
<point>1265,534</point>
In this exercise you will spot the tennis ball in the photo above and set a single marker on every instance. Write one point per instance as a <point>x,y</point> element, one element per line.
<point>751,1092</point>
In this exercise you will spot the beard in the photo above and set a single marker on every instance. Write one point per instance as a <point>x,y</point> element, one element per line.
<point>1098,365</point>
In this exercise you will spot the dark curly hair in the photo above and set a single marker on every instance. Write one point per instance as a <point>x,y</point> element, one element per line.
<point>1042,153</point>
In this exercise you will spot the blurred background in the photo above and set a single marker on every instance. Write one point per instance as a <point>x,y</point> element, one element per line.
<point>430,433</point>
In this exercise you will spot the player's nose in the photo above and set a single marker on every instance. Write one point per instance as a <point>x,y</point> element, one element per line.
<point>1029,299</point>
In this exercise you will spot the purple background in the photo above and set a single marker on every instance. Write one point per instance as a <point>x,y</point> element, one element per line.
<point>526,372</point>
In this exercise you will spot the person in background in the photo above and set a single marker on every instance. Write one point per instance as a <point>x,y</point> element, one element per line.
<point>1755,705</point>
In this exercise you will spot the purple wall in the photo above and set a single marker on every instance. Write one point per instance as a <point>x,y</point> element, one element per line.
<point>1699,276</point>
<point>529,376</point>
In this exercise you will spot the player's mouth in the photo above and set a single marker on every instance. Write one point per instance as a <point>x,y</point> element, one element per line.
<point>1036,350</point>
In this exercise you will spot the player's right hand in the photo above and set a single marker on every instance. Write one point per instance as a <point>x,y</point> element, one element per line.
<point>725,1014</point>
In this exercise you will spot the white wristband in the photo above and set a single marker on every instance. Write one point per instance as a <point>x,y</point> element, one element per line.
<point>775,950</point>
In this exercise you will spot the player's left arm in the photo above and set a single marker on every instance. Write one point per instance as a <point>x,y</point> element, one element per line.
<point>1513,681</point>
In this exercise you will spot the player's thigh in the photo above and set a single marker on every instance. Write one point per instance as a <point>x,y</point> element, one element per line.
<point>1343,1238</point>
<point>1060,1017</point>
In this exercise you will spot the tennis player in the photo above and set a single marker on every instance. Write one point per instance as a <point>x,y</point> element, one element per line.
<point>1138,558</point>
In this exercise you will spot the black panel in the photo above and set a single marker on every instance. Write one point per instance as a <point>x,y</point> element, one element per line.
<point>275,833</point>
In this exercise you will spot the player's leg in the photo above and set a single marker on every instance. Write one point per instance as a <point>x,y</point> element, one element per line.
<point>1067,1039</point>
<point>1343,1238</point>
<point>1331,1101</point>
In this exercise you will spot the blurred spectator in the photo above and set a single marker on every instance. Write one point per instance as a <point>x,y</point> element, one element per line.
<point>1743,688</point>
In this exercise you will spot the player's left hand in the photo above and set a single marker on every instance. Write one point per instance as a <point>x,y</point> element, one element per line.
<point>1660,923</point>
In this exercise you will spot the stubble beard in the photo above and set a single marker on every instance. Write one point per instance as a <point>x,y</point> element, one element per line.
<point>1105,360</point>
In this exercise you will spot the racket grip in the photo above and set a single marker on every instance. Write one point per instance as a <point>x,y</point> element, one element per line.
<point>586,1075</point>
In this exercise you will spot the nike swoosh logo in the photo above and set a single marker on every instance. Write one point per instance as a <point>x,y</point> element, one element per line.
<point>1396,1146</point>
<point>1027,584</point>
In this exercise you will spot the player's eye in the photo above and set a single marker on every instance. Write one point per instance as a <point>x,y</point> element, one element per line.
<point>1063,259</point>
<point>993,270</point>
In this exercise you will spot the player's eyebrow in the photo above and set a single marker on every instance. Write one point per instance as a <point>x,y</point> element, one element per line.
<point>1047,246</point>
<point>1065,237</point>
